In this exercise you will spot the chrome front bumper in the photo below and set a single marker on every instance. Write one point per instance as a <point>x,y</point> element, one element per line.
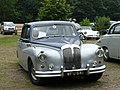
<point>63,73</point>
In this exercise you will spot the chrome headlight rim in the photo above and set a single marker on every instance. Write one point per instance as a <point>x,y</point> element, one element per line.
<point>42,56</point>
<point>99,52</point>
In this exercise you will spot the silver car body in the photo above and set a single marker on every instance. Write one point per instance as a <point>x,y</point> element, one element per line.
<point>111,41</point>
<point>62,54</point>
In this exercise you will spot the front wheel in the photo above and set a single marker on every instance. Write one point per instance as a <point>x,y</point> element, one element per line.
<point>93,77</point>
<point>97,38</point>
<point>33,78</point>
<point>15,32</point>
<point>106,54</point>
<point>3,33</point>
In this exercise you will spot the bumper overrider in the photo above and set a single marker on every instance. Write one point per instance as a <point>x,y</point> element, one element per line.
<point>62,72</point>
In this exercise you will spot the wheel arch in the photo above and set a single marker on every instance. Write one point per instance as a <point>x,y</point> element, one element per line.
<point>28,62</point>
<point>104,47</point>
<point>106,55</point>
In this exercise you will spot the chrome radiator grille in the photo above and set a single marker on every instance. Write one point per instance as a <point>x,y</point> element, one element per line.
<point>72,58</point>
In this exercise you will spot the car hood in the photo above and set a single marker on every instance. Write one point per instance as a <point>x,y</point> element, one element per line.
<point>57,42</point>
<point>90,32</point>
<point>9,26</point>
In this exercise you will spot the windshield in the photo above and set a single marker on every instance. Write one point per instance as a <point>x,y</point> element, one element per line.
<point>53,30</point>
<point>85,28</point>
<point>9,24</point>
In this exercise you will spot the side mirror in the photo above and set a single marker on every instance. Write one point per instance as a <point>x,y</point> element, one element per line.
<point>78,29</point>
<point>105,32</point>
<point>82,37</point>
<point>25,40</point>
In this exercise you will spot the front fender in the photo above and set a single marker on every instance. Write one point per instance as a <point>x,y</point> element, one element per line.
<point>88,54</point>
<point>53,56</point>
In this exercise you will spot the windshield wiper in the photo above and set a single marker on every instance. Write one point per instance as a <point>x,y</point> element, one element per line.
<point>43,37</point>
<point>57,36</point>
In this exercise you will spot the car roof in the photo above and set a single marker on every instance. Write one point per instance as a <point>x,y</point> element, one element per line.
<point>37,23</point>
<point>118,22</point>
<point>7,21</point>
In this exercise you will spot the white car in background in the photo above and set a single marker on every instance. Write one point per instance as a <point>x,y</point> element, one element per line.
<point>88,32</point>
<point>8,27</point>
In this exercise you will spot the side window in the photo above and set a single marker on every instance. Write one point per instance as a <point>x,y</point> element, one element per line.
<point>25,32</point>
<point>116,29</point>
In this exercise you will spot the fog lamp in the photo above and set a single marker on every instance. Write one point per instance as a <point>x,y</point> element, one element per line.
<point>51,66</point>
<point>95,63</point>
<point>85,32</point>
<point>42,66</point>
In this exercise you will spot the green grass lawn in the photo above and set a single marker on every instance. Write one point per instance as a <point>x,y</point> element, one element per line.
<point>12,77</point>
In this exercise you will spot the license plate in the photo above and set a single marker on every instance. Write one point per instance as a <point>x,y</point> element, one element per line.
<point>73,73</point>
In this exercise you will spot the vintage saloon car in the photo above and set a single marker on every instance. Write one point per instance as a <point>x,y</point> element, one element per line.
<point>110,42</point>
<point>54,49</point>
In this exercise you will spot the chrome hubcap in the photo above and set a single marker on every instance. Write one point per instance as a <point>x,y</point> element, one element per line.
<point>106,53</point>
<point>33,73</point>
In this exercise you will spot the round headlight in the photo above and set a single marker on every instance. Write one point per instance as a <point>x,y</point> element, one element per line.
<point>6,28</point>
<point>42,56</point>
<point>85,32</point>
<point>99,53</point>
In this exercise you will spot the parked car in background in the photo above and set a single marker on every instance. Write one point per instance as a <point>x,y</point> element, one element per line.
<point>54,49</point>
<point>88,32</point>
<point>110,42</point>
<point>8,27</point>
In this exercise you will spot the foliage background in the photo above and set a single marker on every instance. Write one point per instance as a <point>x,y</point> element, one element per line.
<point>31,10</point>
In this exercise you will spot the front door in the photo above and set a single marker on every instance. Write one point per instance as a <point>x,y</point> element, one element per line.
<point>23,44</point>
<point>114,42</point>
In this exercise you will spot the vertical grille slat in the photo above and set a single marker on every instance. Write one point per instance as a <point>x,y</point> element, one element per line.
<point>67,58</point>
<point>77,57</point>
<point>72,58</point>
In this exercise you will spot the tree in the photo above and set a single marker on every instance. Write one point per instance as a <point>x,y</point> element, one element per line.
<point>7,10</point>
<point>27,10</point>
<point>113,9</point>
<point>93,8</point>
<point>83,9</point>
<point>85,22</point>
<point>55,10</point>
<point>102,23</point>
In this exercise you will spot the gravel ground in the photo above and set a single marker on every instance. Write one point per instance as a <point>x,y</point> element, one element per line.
<point>12,77</point>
